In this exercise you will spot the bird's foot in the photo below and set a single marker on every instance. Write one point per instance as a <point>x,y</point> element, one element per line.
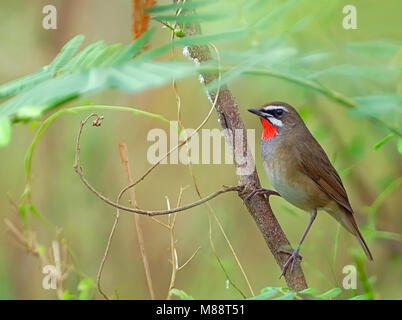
<point>290,252</point>
<point>291,261</point>
<point>261,191</point>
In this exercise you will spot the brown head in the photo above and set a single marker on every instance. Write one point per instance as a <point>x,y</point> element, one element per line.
<point>278,118</point>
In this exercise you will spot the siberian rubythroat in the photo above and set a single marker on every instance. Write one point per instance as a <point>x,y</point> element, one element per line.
<point>299,169</point>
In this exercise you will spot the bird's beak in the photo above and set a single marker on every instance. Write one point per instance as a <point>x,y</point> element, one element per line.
<point>257,112</point>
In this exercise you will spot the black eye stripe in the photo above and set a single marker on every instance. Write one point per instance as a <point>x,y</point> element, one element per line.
<point>277,113</point>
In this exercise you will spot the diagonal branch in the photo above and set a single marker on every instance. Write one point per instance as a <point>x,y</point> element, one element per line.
<point>258,206</point>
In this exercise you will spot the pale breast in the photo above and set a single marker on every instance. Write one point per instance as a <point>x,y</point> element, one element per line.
<point>287,180</point>
<point>289,190</point>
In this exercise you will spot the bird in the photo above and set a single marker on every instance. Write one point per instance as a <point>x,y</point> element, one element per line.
<point>300,171</point>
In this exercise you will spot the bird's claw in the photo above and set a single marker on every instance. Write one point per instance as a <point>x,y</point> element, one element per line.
<point>290,252</point>
<point>291,261</point>
<point>263,191</point>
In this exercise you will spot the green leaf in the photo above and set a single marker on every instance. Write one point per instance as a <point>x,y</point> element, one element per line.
<point>28,113</point>
<point>276,15</point>
<point>356,147</point>
<point>387,235</point>
<point>23,83</point>
<point>330,294</point>
<point>67,52</point>
<point>33,210</point>
<point>95,68</point>
<point>85,284</point>
<point>5,131</point>
<point>66,295</point>
<point>133,49</point>
<point>266,293</point>
<point>288,296</point>
<point>379,105</point>
<point>268,53</point>
<point>312,58</point>
<point>382,141</point>
<point>181,294</point>
<point>311,291</point>
<point>23,213</point>
<point>44,73</point>
<point>376,48</point>
<point>400,145</point>
<point>85,287</point>
<point>131,77</point>
<point>41,249</point>
<point>33,125</point>
<point>91,57</point>
<point>102,58</point>
<point>379,73</point>
<point>77,61</point>
<point>301,24</point>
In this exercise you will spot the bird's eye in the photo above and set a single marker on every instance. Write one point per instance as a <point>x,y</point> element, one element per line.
<point>278,113</point>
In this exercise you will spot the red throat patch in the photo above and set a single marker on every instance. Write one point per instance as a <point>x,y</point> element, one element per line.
<point>269,131</point>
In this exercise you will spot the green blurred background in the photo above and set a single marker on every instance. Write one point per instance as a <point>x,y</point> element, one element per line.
<point>86,221</point>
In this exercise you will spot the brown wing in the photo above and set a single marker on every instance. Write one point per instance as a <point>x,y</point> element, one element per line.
<point>315,163</point>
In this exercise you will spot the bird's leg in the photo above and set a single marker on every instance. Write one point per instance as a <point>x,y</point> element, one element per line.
<point>261,191</point>
<point>293,257</point>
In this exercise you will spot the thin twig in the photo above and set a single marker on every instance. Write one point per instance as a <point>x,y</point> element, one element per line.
<point>109,242</point>
<point>211,241</point>
<point>97,123</point>
<point>189,259</point>
<point>126,165</point>
<point>160,222</point>
<point>173,252</point>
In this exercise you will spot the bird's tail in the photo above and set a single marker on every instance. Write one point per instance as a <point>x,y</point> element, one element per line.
<point>348,221</point>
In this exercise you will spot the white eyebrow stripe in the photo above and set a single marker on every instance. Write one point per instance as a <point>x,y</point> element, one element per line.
<point>275,108</point>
